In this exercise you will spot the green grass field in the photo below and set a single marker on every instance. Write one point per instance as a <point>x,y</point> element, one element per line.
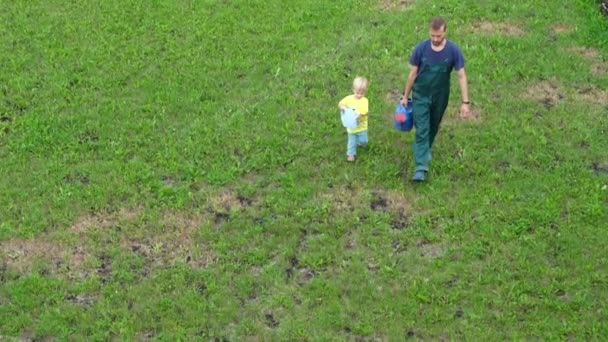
<point>176,170</point>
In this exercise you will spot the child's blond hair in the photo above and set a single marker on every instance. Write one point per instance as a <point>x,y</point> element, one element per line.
<point>360,83</point>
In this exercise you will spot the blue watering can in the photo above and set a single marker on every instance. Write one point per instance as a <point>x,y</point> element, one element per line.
<point>349,117</point>
<point>404,117</point>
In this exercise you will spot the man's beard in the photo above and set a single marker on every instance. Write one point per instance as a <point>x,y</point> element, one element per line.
<point>439,44</point>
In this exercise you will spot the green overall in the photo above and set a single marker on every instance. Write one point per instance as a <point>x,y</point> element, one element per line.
<point>431,92</point>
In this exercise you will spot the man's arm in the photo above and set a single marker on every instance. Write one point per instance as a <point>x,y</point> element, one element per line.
<point>411,77</point>
<point>464,92</point>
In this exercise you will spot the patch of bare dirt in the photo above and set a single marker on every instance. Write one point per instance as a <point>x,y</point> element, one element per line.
<point>302,275</point>
<point>343,199</point>
<point>395,203</point>
<point>398,247</point>
<point>593,56</point>
<point>85,301</point>
<point>549,93</point>
<point>177,243</point>
<point>350,243</point>
<point>350,199</point>
<point>183,225</point>
<point>105,267</point>
<point>87,222</point>
<point>22,256</point>
<point>587,52</point>
<point>599,167</point>
<point>145,336</point>
<point>227,201</point>
<point>599,68</point>
<point>393,96</point>
<point>169,181</point>
<point>172,248</point>
<point>271,320</point>
<point>497,27</point>
<point>104,220</point>
<point>295,271</point>
<point>430,250</point>
<point>594,95</point>
<point>391,201</point>
<point>561,28</point>
<point>396,5</point>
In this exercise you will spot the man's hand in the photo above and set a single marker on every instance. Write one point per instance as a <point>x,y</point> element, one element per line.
<point>465,111</point>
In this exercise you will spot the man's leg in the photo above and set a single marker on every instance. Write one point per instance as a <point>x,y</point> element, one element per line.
<point>422,120</point>
<point>437,110</point>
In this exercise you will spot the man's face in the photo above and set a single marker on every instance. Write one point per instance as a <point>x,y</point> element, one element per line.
<point>437,36</point>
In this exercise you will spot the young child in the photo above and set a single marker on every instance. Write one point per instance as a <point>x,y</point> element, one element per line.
<point>356,136</point>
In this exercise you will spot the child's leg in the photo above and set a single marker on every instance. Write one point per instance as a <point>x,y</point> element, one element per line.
<point>362,138</point>
<point>351,147</point>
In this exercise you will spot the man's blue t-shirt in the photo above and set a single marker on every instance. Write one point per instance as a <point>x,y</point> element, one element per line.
<point>424,54</point>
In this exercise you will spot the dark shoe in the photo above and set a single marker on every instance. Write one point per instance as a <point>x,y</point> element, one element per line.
<point>418,176</point>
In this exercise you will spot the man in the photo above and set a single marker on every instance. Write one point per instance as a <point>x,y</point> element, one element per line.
<point>431,64</point>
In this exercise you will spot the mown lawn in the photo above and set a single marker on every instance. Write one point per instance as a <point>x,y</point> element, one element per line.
<point>176,170</point>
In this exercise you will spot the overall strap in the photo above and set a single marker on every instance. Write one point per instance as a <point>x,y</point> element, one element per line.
<point>424,56</point>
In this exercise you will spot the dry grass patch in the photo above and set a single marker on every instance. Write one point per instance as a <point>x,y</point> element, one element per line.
<point>84,301</point>
<point>394,203</point>
<point>389,200</point>
<point>22,256</point>
<point>430,250</point>
<point>229,200</point>
<point>85,223</point>
<point>343,199</point>
<point>600,69</point>
<point>104,220</point>
<point>299,273</point>
<point>173,242</point>
<point>226,201</point>
<point>561,28</point>
<point>351,199</point>
<point>166,251</point>
<point>183,224</point>
<point>587,52</point>
<point>177,243</point>
<point>599,167</point>
<point>593,56</point>
<point>396,5</point>
<point>393,96</point>
<point>549,93</point>
<point>500,28</point>
<point>594,95</point>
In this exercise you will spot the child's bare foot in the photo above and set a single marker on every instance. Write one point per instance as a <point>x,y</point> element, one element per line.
<point>350,158</point>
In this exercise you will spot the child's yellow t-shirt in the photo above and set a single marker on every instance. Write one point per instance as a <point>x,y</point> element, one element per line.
<point>362,106</point>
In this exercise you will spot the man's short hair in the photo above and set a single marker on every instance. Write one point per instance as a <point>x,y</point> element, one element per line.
<point>437,23</point>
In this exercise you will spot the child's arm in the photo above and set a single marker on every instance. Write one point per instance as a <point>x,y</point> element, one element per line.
<point>342,104</point>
